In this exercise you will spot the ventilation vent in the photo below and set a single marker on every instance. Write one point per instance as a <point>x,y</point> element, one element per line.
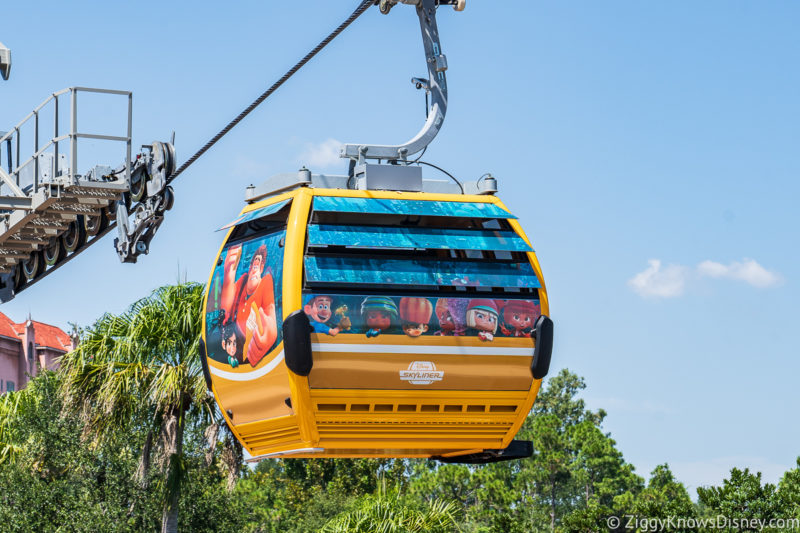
<point>269,437</point>
<point>410,408</point>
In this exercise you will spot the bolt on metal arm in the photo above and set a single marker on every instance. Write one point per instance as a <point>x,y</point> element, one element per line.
<point>437,86</point>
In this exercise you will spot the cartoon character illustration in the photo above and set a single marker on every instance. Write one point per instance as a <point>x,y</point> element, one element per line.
<point>451,312</point>
<point>344,323</point>
<point>378,313</point>
<point>251,300</point>
<point>414,315</point>
<point>318,309</point>
<point>519,317</point>
<point>229,343</point>
<point>482,317</point>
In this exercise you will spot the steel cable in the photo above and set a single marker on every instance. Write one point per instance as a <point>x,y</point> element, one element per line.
<point>365,4</point>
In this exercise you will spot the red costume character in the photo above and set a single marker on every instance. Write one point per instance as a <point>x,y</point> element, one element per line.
<point>251,300</point>
<point>519,317</point>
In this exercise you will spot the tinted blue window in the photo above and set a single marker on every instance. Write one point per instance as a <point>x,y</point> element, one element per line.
<point>380,271</point>
<point>405,237</point>
<point>258,213</point>
<point>409,207</point>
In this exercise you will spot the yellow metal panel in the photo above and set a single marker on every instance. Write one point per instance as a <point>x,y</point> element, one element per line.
<point>397,195</point>
<point>269,201</point>
<point>292,301</point>
<point>214,380</point>
<point>408,420</point>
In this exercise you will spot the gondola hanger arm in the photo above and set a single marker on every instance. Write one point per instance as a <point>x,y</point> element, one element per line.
<point>436,87</point>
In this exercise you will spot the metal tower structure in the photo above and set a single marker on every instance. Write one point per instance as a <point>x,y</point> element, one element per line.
<point>51,208</point>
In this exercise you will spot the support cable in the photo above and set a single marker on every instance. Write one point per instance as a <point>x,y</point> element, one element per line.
<point>365,4</point>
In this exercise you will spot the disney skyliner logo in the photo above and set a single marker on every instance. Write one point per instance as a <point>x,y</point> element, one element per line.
<point>421,373</point>
<point>671,523</point>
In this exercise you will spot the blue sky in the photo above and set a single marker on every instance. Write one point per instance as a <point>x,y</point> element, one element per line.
<point>649,149</point>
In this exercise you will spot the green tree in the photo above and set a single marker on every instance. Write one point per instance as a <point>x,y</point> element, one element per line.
<point>742,496</point>
<point>58,482</point>
<point>605,485</point>
<point>576,475</point>
<point>299,495</point>
<point>142,369</point>
<point>388,513</point>
<point>789,492</point>
<point>664,496</point>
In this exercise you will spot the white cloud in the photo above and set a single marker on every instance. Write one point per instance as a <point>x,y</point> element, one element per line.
<point>668,282</point>
<point>321,156</point>
<point>659,283</point>
<point>748,270</point>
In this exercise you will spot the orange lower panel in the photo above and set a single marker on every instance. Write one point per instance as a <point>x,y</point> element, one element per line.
<point>395,423</point>
<point>248,393</point>
<point>399,362</point>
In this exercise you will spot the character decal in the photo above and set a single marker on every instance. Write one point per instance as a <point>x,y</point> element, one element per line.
<point>413,316</point>
<point>243,311</point>
<point>519,317</point>
<point>344,323</point>
<point>230,343</point>
<point>415,313</point>
<point>318,309</point>
<point>378,313</point>
<point>482,317</point>
<point>251,299</point>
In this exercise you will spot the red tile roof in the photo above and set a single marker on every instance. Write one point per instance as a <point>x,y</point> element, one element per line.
<point>7,327</point>
<point>51,336</point>
<point>46,335</point>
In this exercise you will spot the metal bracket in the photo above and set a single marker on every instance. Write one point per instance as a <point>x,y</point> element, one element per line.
<point>436,85</point>
<point>136,230</point>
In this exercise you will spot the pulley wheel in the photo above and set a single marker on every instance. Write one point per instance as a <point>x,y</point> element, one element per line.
<point>170,159</point>
<point>19,277</point>
<point>163,159</point>
<point>33,266</point>
<point>54,252</point>
<point>138,189</point>
<point>95,224</point>
<point>169,198</point>
<point>75,236</point>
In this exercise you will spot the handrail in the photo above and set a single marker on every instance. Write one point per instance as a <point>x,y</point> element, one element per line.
<point>16,165</point>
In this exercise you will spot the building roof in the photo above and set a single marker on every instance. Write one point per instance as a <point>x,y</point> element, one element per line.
<point>47,336</point>
<point>7,327</point>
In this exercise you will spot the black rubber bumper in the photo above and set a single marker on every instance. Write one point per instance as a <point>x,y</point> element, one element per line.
<point>543,333</point>
<point>297,343</point>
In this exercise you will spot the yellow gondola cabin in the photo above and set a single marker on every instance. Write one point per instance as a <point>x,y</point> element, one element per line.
<point>363,323</point>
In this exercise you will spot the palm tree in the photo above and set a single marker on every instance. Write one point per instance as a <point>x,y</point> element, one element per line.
<point>387,513</point>
<point>9,406</point>
<point>142,369</point>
